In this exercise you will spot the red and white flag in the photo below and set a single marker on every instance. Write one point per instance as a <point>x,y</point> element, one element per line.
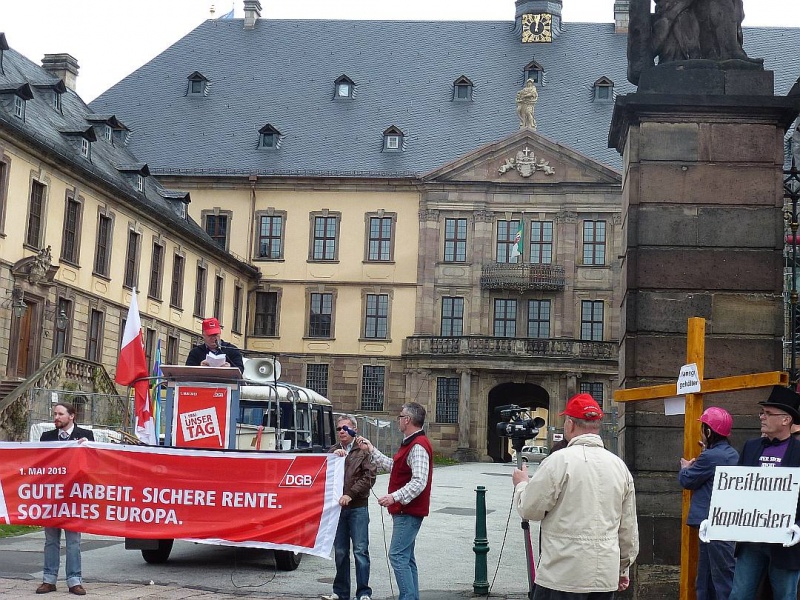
<point>131,365</point>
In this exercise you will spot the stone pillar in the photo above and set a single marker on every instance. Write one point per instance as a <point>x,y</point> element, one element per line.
<point>465,453</point>
<point>702,197</point>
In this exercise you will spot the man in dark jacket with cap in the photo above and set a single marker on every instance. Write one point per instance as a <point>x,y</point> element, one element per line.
<point>776,448</point>
<point>213,344</point>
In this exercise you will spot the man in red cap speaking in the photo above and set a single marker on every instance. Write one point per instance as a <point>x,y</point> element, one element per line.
<point>584,497</point>
<point>214,346</point>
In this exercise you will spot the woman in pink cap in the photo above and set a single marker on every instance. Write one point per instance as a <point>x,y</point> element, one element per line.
<point>715,561</point>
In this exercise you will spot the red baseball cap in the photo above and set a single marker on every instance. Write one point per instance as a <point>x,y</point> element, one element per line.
<point>583,406</point>
<point>211,326</point>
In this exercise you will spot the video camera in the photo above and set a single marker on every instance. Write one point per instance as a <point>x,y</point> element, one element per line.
<point>517,424</point>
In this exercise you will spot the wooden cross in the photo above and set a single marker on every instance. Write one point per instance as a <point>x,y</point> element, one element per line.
<point>695,353</point>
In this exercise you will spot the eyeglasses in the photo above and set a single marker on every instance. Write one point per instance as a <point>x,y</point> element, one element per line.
<point>764,413</point>
<point>402,416</point>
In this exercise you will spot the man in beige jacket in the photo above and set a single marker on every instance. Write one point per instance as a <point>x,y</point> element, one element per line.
<point>584,498</point>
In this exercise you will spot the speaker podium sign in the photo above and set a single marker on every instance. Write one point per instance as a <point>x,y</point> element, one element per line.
<point>201,415</point>
<point>753,504</point>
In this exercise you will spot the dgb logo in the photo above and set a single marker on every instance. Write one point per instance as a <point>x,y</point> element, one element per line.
<point>303,471</point>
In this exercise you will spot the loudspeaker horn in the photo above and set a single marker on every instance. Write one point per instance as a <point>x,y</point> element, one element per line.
<point>262,370</point>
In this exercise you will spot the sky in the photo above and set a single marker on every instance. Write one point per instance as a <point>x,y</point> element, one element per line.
<point>112,38</point>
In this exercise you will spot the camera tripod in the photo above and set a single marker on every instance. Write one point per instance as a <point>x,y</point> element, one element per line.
<point>518,444</point>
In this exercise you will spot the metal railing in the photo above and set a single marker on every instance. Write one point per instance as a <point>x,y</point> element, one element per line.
<point>522,277</point>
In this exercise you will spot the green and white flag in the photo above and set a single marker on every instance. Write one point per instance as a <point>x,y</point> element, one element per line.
<point>516,249</point>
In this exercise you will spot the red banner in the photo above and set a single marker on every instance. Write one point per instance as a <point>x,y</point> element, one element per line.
<point>256,499</point>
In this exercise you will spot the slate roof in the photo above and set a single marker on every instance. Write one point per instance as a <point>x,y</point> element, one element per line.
<point>283,71</point>
<point>45,128</point>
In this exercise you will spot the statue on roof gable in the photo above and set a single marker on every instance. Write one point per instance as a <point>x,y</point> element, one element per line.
<point>685,30</point>
<point>526,102</point>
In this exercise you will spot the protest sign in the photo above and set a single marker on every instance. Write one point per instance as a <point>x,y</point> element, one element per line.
<point>254,499</point>
<point>753,504</point>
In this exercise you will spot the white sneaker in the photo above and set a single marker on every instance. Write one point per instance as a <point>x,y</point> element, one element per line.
<point>330,597</point>
<point>365,598</point>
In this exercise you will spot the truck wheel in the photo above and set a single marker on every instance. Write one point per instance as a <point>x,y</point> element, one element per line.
<point>159,556</point>
<point>286,560</point>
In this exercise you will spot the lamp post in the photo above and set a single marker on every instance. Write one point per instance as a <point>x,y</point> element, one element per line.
<point>791,192</point>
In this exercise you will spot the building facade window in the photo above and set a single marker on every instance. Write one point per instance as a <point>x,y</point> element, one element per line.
<point>320,315</point>
<point>36,209</point>
<point>149,346</point>
<point>538,318</point>
<point>317,378</point>
<point>132,260</point>
<point>19,107</point>
<point>452,317</point>
<point>594,389</point>
<point>200,291</point>
<point>505,317</point>
<point>176,286</point>
<point>592,320</point>
<point>70,240</point>
<point>217,228</point>
<point>594,242</point>
<point>156,271</point>
<point>270,236</point>
<point>4,169</point>
<point>541,242</point>
<point>102,253</point>
<point>61,338</point>
<point>373,381</point>
<point>507,240</point>
<point>265,317</point>
<point>376,317</point>
<point>455,240</point>
<point>447,389</point>
<point>326,233</point>
<point>172,350</point>
<point>94,343</point>
<point>219,285</point>
<point>381,238</point>
<point>238,295</point>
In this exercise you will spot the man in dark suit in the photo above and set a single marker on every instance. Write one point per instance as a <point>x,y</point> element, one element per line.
<point>66,430</point>
<point>212,343</point>
<point>776,448</point>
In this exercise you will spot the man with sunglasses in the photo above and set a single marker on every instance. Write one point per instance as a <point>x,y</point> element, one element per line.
<point>409,497</point>
<point>359,477</point>
<point>775,448</point>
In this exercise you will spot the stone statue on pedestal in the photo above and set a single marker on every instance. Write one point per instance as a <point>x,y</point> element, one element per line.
<point>682,30</point>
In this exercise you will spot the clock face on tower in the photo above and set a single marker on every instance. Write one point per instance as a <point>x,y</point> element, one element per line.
<point>537,28</point>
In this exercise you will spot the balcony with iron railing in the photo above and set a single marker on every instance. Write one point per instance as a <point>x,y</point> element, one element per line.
<point>503,347</point>
<point>522,277</point>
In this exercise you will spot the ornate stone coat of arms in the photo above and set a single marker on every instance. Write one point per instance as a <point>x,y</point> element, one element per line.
<point>526,164</point>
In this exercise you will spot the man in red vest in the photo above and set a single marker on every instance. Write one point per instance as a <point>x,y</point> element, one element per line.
<point>409,497</point>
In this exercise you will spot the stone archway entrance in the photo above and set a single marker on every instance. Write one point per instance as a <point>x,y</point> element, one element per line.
<point>525,395</point>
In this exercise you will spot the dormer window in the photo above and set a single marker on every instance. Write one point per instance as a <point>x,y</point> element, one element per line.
<point>393,140</point>
<point>343,88</point>
<point>107,132</point>
<point>462,89</point>
<point>535,71</point>
<point>269,138</point>
<point>604,90</point>
<point>57,101</point>
<point>140,183</point>
<point>198,84</point>
<point>19,108</point>
<point>85,147</point>
<point>135,172</point>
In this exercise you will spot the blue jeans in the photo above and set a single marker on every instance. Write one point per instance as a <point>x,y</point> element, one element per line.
<point>715,564</point>
<point>353,525</point>
<point>52,556</point>
<point>401,555</point>
<point>753,559</point>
